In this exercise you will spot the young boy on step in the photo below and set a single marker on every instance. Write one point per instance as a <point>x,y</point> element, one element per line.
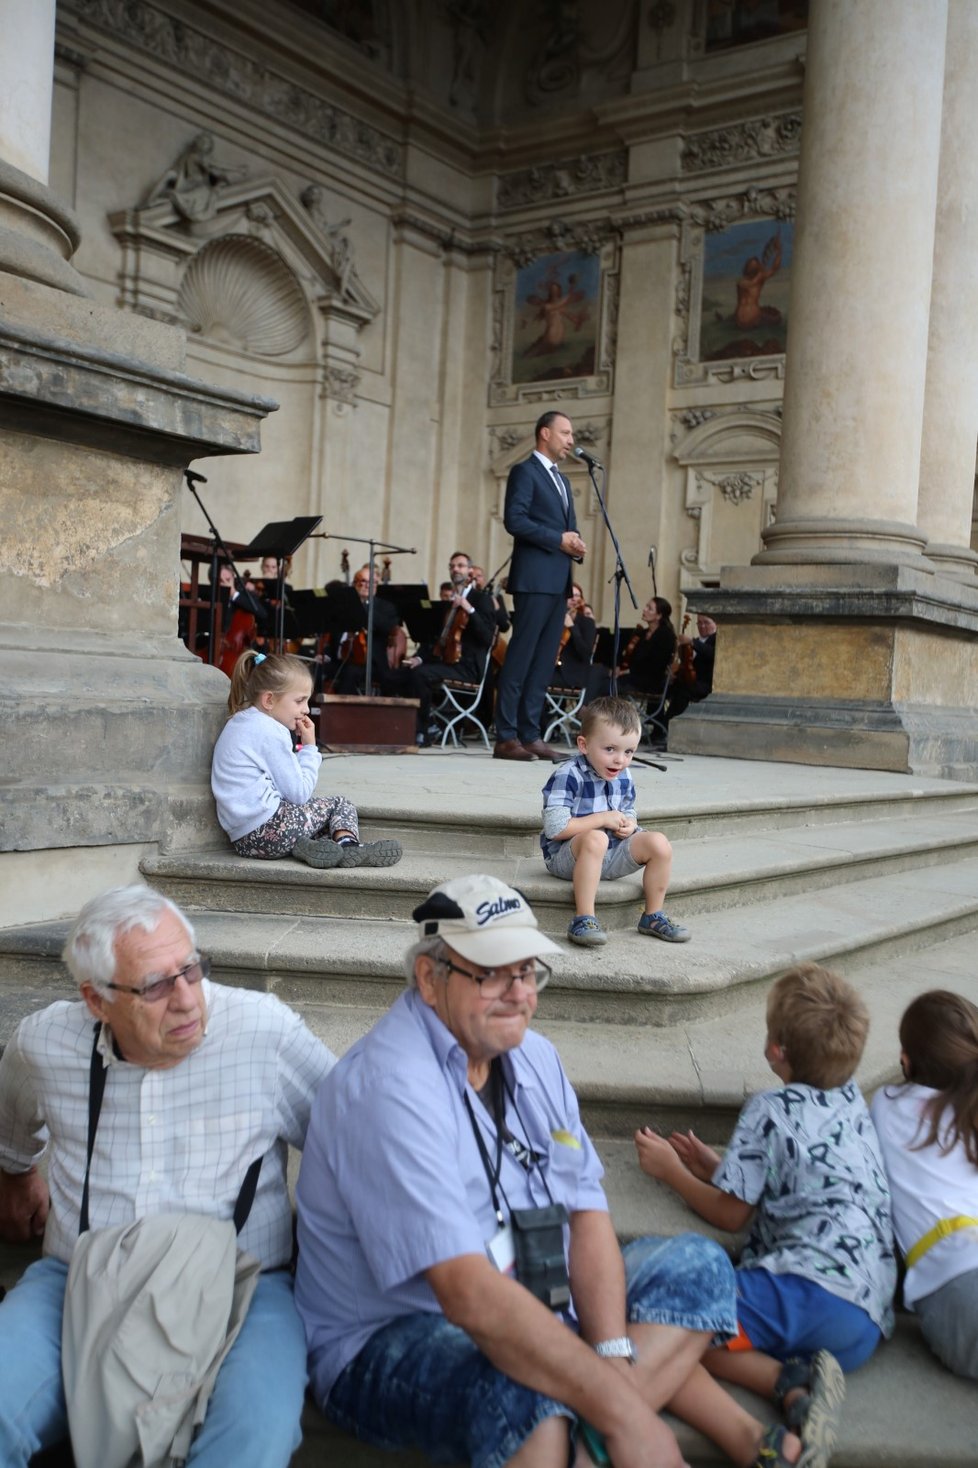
<point>804,1168</point>
<point>590,825</point>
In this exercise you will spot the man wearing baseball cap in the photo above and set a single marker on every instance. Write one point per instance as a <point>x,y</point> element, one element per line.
<point>459,1277</point>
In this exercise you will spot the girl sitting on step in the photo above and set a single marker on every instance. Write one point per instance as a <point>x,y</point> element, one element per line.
<point>928,1129</point>
<point>265,769</point>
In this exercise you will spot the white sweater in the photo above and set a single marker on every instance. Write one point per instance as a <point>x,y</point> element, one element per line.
<point>254,770</point>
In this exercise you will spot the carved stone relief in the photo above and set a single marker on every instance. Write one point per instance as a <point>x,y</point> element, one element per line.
<point>585,174</point>
<point>730,457</point>
<point>240,291</point>
<point>234,74</point>
<point>704,217</point>
<point>194,181</point>
<point>742,142</point>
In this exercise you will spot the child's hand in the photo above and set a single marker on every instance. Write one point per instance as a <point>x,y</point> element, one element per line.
<point>655,1156</point>
<point>618,823</point>
<point>306,729</point>
<point>701,1160</point>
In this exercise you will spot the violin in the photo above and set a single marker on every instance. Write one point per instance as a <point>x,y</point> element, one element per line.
<point>448,647</point>
<point>630,647</point>
<point>684,665</point>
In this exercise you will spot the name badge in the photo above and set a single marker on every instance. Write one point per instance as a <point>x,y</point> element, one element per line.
<point>502,1251</point>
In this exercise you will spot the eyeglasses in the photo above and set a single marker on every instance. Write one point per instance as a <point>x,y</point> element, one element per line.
<point>163,988</point>
<point>494,983</point>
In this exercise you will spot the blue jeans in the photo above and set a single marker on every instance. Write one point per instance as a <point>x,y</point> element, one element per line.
<point>253,1415</point>
<point>423,1383</point>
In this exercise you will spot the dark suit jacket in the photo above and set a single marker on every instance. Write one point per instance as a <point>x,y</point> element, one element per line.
<point>535,518</point>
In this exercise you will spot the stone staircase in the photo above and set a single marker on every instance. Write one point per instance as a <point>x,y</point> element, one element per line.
<point>872,873</point>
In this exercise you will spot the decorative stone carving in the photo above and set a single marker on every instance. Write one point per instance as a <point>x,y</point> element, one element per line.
<point>588,173</point>
<point>240,291</point>
<point>556,67</point>
<point>342,254</point>
<point>730,457</point>
<point>340,384</point>
<point>471,24</point>
<point>194,181</point>
<point>742,142</point>
<point>585,235</point>
<point>703,217</point>
<point>234,74</point>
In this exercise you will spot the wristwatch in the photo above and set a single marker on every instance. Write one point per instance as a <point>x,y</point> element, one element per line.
<point>620,1347</point>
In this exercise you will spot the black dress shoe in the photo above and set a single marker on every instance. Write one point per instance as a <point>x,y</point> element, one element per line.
<point>546,751</point>
<point>512,749</point>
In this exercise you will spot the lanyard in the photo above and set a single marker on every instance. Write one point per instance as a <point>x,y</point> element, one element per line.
<point>497,1083</point>
<point>96,1090</point>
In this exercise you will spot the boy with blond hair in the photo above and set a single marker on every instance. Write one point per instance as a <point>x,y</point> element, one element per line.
<point>590,824</point>
<point>804,1168</point>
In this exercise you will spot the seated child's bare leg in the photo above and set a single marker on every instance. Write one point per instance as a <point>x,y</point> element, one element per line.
<point>753,1369</point>
<point>704,1404</point>
<point>653,850</point>
<point>589,849</point>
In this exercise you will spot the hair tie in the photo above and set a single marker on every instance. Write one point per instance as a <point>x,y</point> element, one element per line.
<point>259,658</point>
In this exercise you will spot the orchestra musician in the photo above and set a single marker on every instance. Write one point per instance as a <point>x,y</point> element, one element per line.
<point>389,642</point>
<point>574,668</point>
<point>649,652</point>
<point>702,653</point>
<point>469,627</point>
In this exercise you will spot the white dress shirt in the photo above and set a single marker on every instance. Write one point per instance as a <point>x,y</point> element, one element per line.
<point>177,1140</point>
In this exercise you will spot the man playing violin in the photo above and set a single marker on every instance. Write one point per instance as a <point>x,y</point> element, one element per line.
<point>389,646</point>
<point>460,649</point>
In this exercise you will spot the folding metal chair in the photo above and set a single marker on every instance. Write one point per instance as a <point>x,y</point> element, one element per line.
<point>459,701</point>
<point>565,705</point>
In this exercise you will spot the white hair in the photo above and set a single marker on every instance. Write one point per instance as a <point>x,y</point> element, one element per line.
<point>89,953</point>
<point>427,947</point>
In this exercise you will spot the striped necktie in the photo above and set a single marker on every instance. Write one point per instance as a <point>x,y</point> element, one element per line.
<point>560,485</point>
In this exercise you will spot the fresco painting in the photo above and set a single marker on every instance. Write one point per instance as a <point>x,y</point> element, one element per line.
<point>744,307</point>
<point>556,317</point>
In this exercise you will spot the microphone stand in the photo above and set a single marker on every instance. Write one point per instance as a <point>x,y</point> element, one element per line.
<point>192,481</point>
<point>620,575</point>
<point>375,546</point>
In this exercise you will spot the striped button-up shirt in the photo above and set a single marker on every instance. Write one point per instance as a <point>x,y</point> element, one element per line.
<point>176,1140</point>
<point>575,789</point>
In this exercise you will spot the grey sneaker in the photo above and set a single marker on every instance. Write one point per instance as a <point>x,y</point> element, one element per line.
<point>323,854</point>
<point>587,931</point>
<point>370,854</point>
<point>657,925</point>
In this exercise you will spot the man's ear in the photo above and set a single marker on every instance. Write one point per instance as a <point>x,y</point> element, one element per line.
<point>424,974</point>
<point>97,1003</point>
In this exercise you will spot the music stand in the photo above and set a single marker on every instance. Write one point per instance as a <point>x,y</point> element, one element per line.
<point>282,538</point>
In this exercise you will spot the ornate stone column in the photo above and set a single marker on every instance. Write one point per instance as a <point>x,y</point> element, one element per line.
<point>842,643</point>
<point>950,427</point>
<point>38,234</point>
<point>860,283</point>
<point>107,722</point>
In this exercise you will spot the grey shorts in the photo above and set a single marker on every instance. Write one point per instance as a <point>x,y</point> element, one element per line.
<point>618,861</point>
<point>949,1321</point>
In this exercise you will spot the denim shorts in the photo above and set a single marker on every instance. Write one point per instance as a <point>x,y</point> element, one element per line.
<point>616,862</point>
<point>423,1383</point>
<point>788,1315</point>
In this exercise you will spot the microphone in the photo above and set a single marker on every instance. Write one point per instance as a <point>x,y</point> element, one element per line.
<point>651,557</point>
<point>589,459</point>
<point>193,478</point>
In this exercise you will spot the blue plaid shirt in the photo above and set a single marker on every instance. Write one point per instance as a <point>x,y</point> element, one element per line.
<point>575,789</point>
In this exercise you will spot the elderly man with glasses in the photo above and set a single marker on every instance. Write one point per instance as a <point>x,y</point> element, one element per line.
<point>200,1086</point>
<point>459,1277</point>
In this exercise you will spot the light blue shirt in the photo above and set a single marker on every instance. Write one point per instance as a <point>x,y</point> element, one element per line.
<point>392,1182</point>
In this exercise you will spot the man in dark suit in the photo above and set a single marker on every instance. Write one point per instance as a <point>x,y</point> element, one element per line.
<point>540,517</point>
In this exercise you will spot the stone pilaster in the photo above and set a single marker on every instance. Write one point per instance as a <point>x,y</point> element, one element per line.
<point>950,423</point>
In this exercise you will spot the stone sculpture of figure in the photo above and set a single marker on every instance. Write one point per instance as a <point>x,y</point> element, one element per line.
<point>193,183</point>
<point>341,251</point>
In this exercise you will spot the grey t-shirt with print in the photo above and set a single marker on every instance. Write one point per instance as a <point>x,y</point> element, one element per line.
<point>810,1162</point>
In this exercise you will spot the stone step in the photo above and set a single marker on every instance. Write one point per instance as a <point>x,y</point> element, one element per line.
<point>695,1073</point>
<point>631,980</point>
<point>464,800</point>
<point>903,1409</point>
<point>708,874</point>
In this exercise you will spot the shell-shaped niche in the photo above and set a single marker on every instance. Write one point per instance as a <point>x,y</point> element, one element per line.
<point>240,291</point>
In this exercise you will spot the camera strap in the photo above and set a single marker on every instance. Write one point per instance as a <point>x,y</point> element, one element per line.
<point>498,1089</point>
